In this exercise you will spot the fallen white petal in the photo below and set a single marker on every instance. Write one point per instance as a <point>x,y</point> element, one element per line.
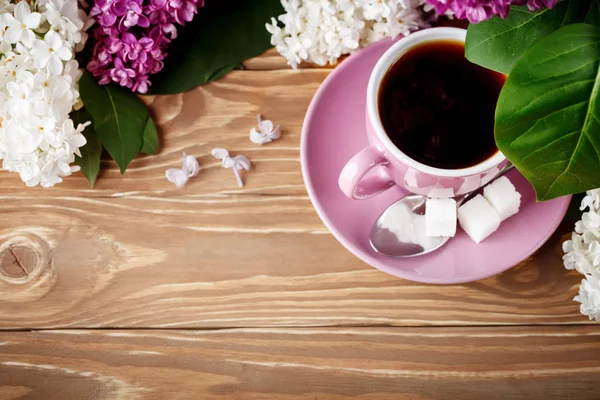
<point>191,166</point>
<point>228,162</point>
<point>236,163</point>
<point>242,162</point>
<point>266,133</point>
<point>275,134</point>
<point>266,126</point>
<point>257,137</point>
<point>176,176</point>
<point>219,153</point>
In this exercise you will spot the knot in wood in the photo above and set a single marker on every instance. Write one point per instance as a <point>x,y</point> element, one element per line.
<point>17,262</point>
<point>22,257</point>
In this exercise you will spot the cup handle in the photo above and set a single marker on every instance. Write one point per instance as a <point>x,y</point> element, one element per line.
<point>353,180</point>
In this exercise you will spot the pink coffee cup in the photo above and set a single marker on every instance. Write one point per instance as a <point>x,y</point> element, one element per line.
<point>382,165</point>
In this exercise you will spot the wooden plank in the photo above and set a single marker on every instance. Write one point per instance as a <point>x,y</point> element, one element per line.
<point>526,363</point>
<point>236,262</point>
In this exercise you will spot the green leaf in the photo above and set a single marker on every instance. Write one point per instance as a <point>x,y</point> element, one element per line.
<point>150,144</point>
<point>498,43</point>
<point>119,118</point>
<point>221,36</point>
<point>91,152</point>
<point>548,113</point>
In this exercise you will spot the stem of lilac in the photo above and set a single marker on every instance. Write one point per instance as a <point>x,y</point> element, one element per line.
<point>259,119</point>
<point>237,176</point>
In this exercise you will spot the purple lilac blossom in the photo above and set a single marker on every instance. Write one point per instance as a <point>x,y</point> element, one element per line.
<point>479,10</point>
<point>132,36</point>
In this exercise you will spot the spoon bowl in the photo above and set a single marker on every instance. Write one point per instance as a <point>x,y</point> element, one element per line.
<point>400,230</point>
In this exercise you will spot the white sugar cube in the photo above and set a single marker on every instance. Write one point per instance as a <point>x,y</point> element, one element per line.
<point>503,196</point>
<point>407,226</point>
<point>440,217</point>
<point>478,218</point>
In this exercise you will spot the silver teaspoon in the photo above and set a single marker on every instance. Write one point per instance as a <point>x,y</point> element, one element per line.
<point>400,230</point>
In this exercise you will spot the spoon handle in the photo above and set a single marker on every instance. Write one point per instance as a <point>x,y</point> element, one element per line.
<point>466,197</point>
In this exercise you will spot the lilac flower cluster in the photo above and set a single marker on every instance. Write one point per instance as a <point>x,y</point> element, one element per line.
<point>132,38</point>
<point>479,10</point>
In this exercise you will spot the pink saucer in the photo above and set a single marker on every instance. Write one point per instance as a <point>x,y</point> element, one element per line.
<point>334,130</point>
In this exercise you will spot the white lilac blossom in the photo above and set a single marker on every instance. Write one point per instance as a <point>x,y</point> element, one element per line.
<point>189,168</point>
<point>589,297</point>
<point>236,163</point>
<point>266,132</point>
<point>582,253</point>
<point>50,52</point>
<point>320,31</point>
<point>39,88</point>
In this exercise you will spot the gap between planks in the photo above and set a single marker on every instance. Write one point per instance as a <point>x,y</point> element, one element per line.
<point>588,324</point>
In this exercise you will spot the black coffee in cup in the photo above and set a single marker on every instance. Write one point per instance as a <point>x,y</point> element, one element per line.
<point>438,108</point>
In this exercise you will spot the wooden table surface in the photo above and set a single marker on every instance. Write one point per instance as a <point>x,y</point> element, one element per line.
<point>138,290</point>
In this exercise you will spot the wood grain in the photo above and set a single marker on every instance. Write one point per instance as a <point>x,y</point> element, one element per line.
<point>361,363</point>
<point>247,261</point>
<point>137,252</point>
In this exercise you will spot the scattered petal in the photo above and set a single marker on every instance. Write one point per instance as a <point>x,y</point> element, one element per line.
<point>219,153</point>
<point>266,131</point>
<point>264,125</point>
<point>189,168</point>
<point>236,163</point>
<point>228,162</point>
<point>242,162</point>
<point>177,176</point>
<point>275,133</point>
<point>257,137</point>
